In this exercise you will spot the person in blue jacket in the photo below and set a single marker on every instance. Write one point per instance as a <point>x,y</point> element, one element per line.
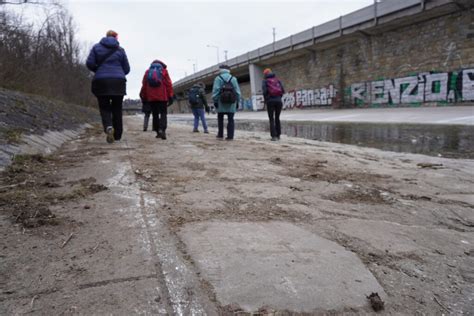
<point>226,96</point>
<point>110,64</point>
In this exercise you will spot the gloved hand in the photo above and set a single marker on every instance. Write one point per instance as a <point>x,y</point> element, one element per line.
<point>207,109</point>
<point>170,101</point>
<point>216,104</point>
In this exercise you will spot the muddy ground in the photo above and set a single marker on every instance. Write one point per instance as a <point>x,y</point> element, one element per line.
<point>93,229</point>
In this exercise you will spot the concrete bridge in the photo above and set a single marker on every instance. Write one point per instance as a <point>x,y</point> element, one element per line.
<point>389,54</point>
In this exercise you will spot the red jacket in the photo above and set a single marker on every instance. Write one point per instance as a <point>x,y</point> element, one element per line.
<point>162,93</point>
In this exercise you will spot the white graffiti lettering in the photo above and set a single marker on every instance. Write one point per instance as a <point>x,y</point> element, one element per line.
<point>409,88</point>
<point>392,92</point>
<point>257,102</point>
<point>311,97</point>
<point>288,100</point>
<point>378,92</point>
<point>424,87</point>
<point>432,81</point>
<point>359,92</point>
<point>468,85</point>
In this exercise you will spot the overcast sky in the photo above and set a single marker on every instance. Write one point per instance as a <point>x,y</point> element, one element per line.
<point>177,31</point>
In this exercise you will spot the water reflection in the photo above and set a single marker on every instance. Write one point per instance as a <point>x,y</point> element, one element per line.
<point>447,140</point>
<point>453,141</point>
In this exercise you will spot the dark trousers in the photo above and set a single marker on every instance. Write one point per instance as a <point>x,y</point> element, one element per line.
<point>146,119</point>
<point>111,113</point>
<point>274,110</point>
<point>230,125</point>
<point>160,112</point>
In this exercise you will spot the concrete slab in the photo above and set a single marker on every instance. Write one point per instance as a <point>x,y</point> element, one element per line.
<point>399,239</point>
<point>278,265</point>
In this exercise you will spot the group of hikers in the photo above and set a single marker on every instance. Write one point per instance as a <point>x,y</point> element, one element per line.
<point>110,64</point>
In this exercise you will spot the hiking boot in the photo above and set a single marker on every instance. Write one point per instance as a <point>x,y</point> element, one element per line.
<point>219,137</point>
<point>110,134</point>
<point>158,133</point>
<point>163,135</point>
<point>227,138</point>
<point>206,132</point>
<point>274,139</point>
<point>195,130</point>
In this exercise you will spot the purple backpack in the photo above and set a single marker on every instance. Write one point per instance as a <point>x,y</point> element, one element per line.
<point>274,87</point>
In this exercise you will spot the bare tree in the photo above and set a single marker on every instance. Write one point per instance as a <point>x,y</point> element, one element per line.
<point>43,59</point>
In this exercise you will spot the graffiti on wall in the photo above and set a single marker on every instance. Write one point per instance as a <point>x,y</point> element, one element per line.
<point>257,102</point>
<point>294,99</point>
<point>444,87</point>
<point>311,97</point>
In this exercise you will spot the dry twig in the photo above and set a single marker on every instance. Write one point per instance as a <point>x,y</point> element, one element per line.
<point>96,246</point>
<point>67,240</point>
<point>440,304</point>
<point>13,185</point>
<point>32,304</point>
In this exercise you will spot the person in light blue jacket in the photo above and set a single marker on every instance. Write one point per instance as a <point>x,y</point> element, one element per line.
<point>226,96</point>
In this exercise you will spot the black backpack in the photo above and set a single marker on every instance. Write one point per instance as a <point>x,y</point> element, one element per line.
<point>194,97</point>
<point>228,95</point>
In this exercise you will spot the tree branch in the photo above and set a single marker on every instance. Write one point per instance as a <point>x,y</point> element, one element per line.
<point>21,2</point>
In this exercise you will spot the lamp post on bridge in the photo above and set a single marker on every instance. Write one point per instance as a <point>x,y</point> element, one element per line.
<point>225,55</point>
<point>195,64</point>
<point>217,48</point>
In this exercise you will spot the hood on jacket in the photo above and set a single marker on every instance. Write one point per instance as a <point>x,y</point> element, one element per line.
<point>269,75</point>
<point>199,85</point>
<point>109,42</point>
<point>157,61</point>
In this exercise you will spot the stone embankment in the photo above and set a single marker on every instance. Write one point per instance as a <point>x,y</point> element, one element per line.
<point>32,124</point>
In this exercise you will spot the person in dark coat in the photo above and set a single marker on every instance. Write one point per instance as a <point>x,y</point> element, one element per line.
<point>110,64</point>
<point>272,92</point>
<point>158,91</point>
<point>198,103</point>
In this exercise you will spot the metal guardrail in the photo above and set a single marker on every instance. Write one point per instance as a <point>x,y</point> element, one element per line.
<point>367,14</point>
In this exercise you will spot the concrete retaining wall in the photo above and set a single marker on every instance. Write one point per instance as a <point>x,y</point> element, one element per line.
<point>44,144</point>
<point>31,124</point>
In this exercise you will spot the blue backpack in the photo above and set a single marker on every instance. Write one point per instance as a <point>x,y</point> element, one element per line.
<point>155,75</point>
<point>194,97</point>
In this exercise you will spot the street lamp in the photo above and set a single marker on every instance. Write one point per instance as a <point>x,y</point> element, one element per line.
<point>217,48</point>
<point>225,55</point>
<point>195,64</point>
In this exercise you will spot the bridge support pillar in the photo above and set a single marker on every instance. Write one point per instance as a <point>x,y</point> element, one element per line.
<point>256,77</point>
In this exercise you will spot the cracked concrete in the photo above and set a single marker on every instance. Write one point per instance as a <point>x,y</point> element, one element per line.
<point>135,246</point>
